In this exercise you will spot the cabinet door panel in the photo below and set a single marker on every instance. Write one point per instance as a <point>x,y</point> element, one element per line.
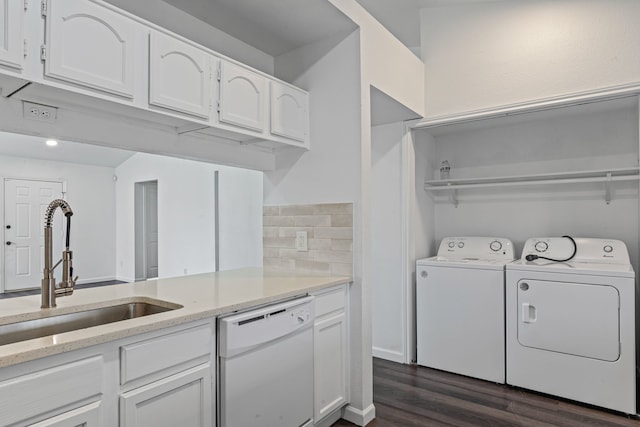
<point>11,33</point>
<point>91,46</point>
<point>288,112</point>
<point>86,416</point>
<point>180,76</point>
<point>45,392</point>
<point>330,365</point>
<point>241,97</point>
<point>184,399</point>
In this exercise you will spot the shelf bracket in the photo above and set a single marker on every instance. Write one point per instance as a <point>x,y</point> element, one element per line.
<point>607,189</point>
<point>453,195</point>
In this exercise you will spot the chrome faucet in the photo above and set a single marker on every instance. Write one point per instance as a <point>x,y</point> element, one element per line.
<point>49,289</point>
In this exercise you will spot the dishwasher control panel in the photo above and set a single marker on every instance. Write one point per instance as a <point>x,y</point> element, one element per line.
<point>242,332</point>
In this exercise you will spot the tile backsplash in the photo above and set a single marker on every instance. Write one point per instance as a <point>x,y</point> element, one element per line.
<point>329,230</point>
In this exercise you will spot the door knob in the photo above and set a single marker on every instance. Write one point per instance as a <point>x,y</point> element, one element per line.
<point>9,243</point>
<point>8,227</point>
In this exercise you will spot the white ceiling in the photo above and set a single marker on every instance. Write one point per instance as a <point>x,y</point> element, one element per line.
<point>34,147</point>
<point>278,26</point>
<point>272,26</point>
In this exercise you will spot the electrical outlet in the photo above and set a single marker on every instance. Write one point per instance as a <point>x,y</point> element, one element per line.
<point>301,241</point>
<point>44,113</point>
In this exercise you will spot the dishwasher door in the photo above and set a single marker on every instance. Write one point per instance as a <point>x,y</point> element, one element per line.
<point>266,366</point>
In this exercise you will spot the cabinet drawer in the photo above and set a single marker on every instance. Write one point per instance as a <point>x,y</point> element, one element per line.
<point>147,357</point>
<point>330,300</point>
<point>43,393</point>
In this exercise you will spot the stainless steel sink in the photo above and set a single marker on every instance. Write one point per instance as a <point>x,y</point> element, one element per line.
<point>42,327</point>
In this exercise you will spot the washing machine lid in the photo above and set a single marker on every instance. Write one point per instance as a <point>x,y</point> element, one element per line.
<point>476,248</point>
<point>477,263</point>
<point>488,253</point>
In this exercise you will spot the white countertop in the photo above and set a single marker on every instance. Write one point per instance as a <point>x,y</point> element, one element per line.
<point>202,296</point>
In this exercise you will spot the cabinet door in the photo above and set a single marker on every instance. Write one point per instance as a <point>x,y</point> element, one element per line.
<point>184,399</point>
<point>289,112</point>
<point>180,76</point>
<point>11,33</point>
<point>86,416</point>
<point>90,45</point>
<point>330,371</point>
<point>242,97</point>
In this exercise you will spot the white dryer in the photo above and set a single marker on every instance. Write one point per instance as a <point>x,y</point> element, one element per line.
<point>460,307</point>
<point>571,325</point>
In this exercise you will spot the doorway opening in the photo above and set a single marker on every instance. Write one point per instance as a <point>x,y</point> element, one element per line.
<point>146,230</point>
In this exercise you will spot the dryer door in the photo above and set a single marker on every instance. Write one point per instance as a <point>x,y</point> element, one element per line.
<point>573,318</point>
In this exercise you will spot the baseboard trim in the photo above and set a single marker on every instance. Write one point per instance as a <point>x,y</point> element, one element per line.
<point>330,419</point>
<point>359,417</point>
<point>392,356</point>
<point>96,279</point>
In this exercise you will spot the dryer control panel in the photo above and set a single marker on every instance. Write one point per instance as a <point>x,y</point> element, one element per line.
<point>588,249</point>
<point>476,248</point>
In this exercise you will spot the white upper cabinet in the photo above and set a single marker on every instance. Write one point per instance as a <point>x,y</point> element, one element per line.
<point>11,33</point>
<point>289,117</point>
<point>242,97</point>
<point>11,12</point>
<point>90,45</point>
<point>180,76</point>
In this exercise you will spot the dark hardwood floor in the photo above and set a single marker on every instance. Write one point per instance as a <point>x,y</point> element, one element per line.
<point>407,396</point>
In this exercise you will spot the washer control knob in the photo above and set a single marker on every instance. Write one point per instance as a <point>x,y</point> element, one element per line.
<point>424,274</point>
<point>452,244</point>
<point>461,245</point>
<point>495,246</point>
<point>541,246</point>
<point>608,249</point>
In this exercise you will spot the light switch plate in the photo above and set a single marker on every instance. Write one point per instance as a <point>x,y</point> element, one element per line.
<point>301,241</point>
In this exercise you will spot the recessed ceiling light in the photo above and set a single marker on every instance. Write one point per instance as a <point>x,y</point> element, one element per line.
<point>51,142</point>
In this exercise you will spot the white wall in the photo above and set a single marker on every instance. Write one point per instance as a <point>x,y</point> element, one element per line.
<point>240,204</point>
<point>387,64</point>
<point>188,26</point>
<point>186,213</point>
<point>331,172</point>
<point>91,194</point>
<point>339,75</point>
<point>487,54</point>
<point>591,140</point>
<point>386,241</point>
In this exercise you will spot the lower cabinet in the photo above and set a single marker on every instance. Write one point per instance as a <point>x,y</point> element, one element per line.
<point>85,416</point>
<point>330,352</point>
<point>162,379</point>
<point>182,400</point>
<point>60,392</point>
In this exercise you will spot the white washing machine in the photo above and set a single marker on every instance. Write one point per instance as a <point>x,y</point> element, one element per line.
<point>571,325</point>
<point>460,307</point>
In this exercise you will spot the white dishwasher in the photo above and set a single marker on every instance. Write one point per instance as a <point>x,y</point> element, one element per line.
<point>266,366</point>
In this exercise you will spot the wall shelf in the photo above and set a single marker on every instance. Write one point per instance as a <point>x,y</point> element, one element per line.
<point>606,176</point>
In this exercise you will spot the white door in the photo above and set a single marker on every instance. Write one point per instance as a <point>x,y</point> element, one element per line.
<point>25,203</point>
<point>571,318</point>
<point>288,112</point>
<point>179,76</point>
<point>11,12</point>
<point>242,97</point>
<point>151,228</point>
<point>91,45</point>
